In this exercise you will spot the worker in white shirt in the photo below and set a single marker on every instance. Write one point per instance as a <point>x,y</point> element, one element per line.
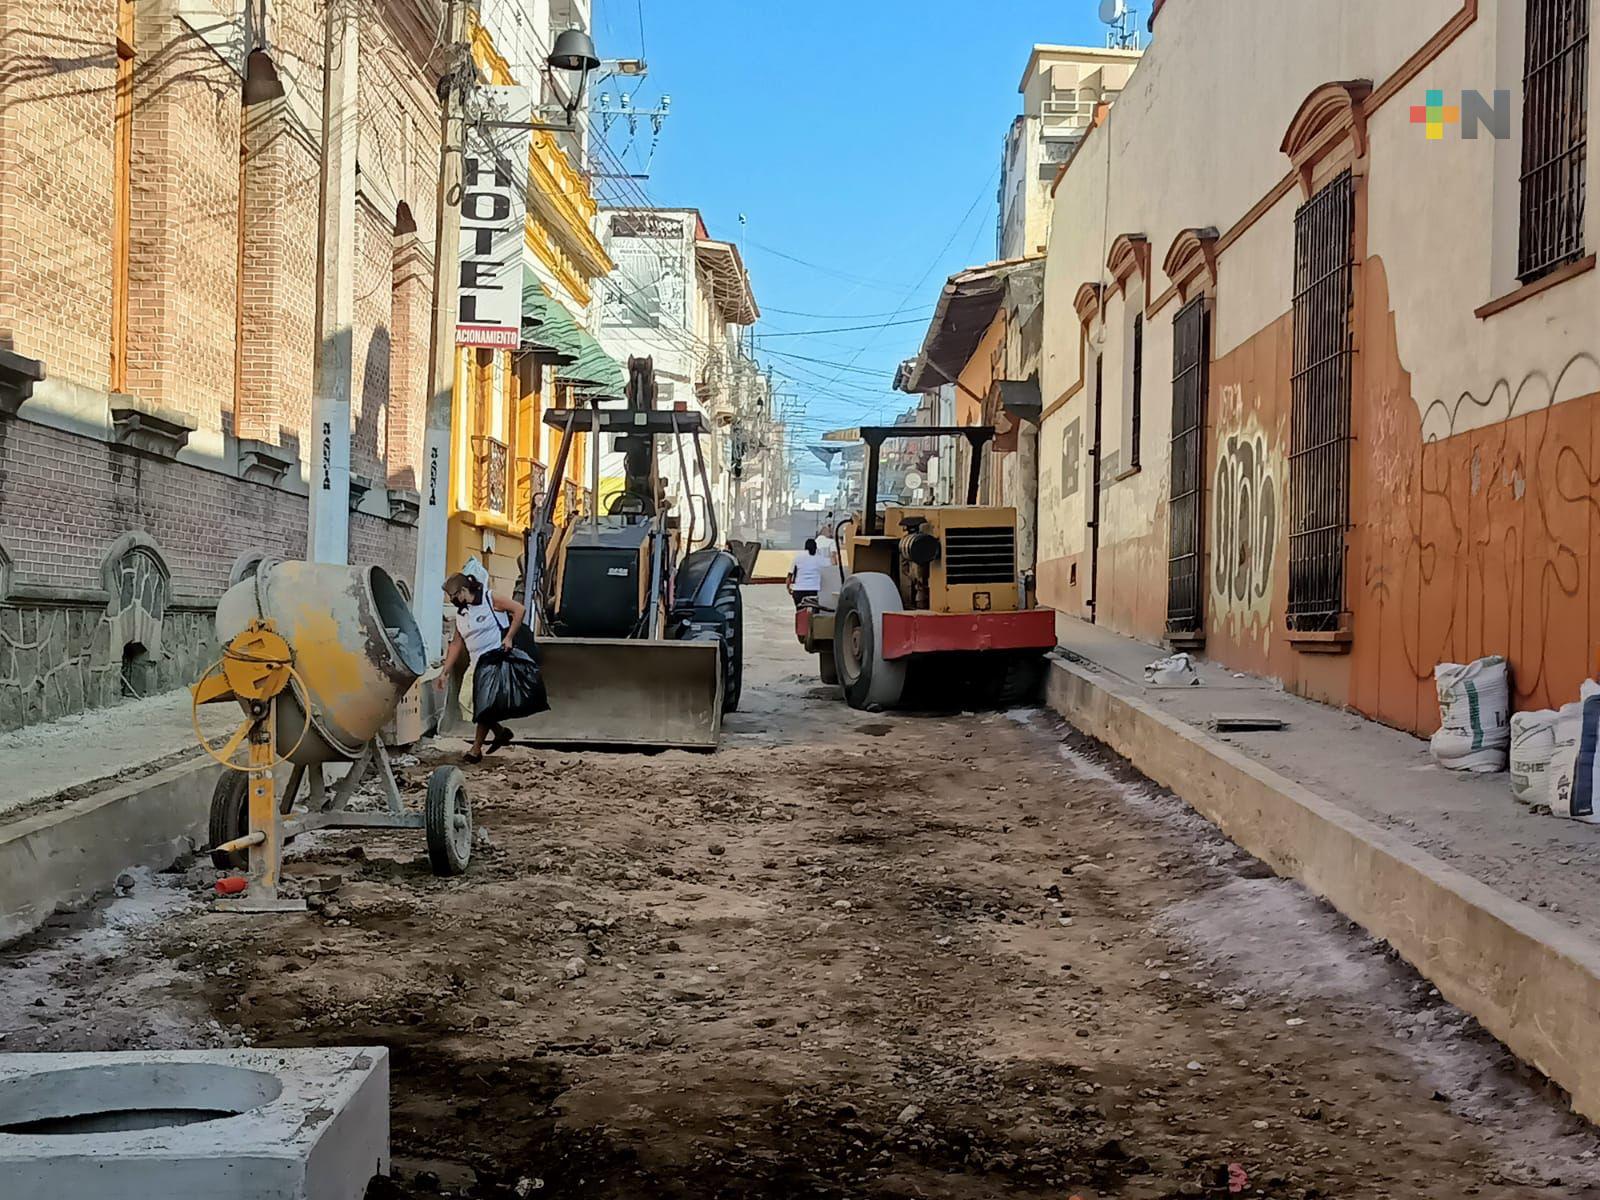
<point>826,546</point>
<point>805,577</point>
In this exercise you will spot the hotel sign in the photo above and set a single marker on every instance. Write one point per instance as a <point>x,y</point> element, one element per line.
<point>493,216</point>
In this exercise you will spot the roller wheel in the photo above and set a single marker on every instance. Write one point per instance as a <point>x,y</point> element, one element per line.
<point>870,681</point>
<point>730,603</point>
<point>230,819</point>
<point>448,822</point>
<point>1020,679</point>
<point>826,666</point>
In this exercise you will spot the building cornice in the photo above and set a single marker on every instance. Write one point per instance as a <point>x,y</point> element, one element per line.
<point>1191,262</point>
<point>1087,301</point>
<point>1130,252</point>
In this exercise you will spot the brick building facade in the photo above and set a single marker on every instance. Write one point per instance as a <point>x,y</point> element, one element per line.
<point>161,288</point>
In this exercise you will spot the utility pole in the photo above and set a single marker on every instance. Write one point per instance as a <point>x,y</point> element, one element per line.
<point>328,539</point>
<point>433,527</point>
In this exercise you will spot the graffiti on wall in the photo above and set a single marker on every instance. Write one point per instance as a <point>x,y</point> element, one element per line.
<point>1503,399</point>
<point>1480,549</point>
<point>1245,521</point>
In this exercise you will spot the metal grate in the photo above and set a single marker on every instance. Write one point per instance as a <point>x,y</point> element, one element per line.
<point>489,480</point>
<point>1319,456</point>
<point>1191,355</point>
<point>1555,135</point>
<point>980,555</point>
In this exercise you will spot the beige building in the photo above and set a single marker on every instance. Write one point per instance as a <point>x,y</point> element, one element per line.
<point>1061,89</point>
<point>1320,382</point>
<point>683,299</point>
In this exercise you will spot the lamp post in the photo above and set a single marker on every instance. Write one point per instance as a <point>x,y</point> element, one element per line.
<point>573,53</point>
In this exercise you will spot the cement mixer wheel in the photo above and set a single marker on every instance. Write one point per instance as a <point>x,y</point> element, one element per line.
<point>448,822</point>
<point>230,819</point>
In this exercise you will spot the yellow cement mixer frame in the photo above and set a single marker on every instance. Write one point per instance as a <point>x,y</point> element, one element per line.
<point>256,668</point>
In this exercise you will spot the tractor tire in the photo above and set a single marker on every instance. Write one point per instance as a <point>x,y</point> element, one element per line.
<point>826,666</point>
<point>1020,679</point>
<point>730,603</point>
<point>230,819</point>
<point>447,821</point>
<point>869,680</point>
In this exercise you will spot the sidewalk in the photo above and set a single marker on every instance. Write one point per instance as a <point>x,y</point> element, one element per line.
<point>66,758</point>
<point>1493,903</point>
<point>1468,821</point>
<point>91,796</point>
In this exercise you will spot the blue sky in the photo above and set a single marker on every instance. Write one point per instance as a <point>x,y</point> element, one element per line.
<point>862,139</point>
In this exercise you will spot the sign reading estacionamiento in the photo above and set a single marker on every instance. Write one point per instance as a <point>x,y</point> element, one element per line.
<point>493,214</point>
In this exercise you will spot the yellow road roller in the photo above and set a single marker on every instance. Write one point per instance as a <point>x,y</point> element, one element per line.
<point>932,606</point>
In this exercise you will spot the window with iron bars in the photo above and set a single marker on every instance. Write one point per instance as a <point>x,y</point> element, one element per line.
<point>1191,355</point>
<point>1555,135</point>
<point>1319,456</point>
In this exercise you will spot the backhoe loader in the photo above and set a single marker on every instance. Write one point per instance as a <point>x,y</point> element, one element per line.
<point>639,620</point>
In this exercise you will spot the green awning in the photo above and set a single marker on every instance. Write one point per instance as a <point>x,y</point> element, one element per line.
<point>548,330</point>
<point>553,337</point>
<point>595,373</point>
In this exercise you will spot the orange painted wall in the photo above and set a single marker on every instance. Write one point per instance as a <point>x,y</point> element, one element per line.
<point>1479,543</point>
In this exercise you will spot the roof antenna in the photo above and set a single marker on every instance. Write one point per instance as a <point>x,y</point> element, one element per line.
<point>1123,33</point>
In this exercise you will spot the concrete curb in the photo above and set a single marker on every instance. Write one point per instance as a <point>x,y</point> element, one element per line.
<point>66,856</point>
<point>1531,982</point>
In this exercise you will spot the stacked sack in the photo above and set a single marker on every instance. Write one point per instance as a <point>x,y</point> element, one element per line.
<point>1475,715</point>
<point>1573,781</point>
<point>1533,744</point>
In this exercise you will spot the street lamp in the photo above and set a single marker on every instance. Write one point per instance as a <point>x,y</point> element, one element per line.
<point>574,53</point>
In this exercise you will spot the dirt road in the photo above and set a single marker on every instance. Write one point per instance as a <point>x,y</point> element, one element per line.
<point>848,955</point>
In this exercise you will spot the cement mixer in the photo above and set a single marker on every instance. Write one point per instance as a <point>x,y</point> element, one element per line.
<point>317,656</point>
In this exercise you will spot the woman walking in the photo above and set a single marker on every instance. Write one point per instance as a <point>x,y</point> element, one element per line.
<point>480,629</point>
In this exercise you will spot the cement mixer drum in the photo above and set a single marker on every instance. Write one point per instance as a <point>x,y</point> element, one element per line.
<point>356,645</point>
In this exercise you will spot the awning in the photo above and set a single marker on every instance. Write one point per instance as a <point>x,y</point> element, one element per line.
<point>553,337</point>
<point>967,306</point>
<point>548,331</point>
<point>595,373</point>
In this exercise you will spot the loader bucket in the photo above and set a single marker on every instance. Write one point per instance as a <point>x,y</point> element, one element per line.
<point>621,693</point>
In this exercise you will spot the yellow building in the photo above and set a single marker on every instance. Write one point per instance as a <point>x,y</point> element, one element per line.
<point>501,451</point>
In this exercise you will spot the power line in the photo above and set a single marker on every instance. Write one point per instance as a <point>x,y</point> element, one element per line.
<point>954,233</point>
<point>790,312</point>
<point>841,329</point>
<point>828,362</point>
<point>859,280</point>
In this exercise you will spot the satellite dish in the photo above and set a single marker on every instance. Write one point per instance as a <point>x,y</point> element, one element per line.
<point>1112,11</point>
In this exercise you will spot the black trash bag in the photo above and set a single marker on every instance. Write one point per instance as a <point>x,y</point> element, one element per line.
<point>507,684</point>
